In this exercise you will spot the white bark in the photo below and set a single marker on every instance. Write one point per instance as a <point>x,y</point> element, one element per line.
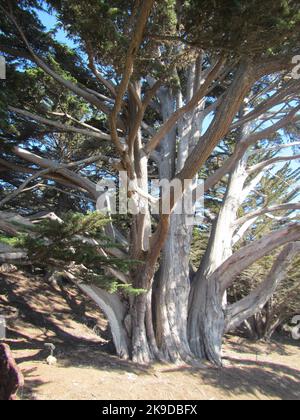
<point>174,275</point>
<point>241,232</point>
<point>246,256</point>
<point>237,313</point>
<point>114,310</point>
<point>263,211</point>
<point>48,164</point>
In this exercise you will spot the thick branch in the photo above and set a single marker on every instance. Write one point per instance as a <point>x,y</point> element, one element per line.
<point>44,172</point>
<point>26,170</point>
<point>242,230</point>
<point>248,255</point>
<point>237,313</point>
<point>221,123</point>
<point>76,179</point>
<point>113,308</point>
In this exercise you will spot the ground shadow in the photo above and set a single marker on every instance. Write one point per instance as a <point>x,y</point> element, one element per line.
<point>40,319</point>
<point>243,376</point>
<point>71,350</point>
<point>279,344</point>
<point>270,380</point>
<point>32,384</point>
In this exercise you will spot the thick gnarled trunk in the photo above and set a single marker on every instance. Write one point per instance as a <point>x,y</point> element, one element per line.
<point>172,293</point>
<point>207,321</point>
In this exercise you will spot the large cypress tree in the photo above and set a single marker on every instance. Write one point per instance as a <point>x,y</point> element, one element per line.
<point>153,89</point>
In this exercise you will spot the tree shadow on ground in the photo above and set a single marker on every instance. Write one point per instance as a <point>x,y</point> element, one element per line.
<point>32,383</point>
<point>257,380</point>
<point>260,380</point>
<point>39,320</point>
<point>81,311</point>
<point>87,357</point>
<point>44,317</point>
<point>37,325</point>
<point>279,344</point>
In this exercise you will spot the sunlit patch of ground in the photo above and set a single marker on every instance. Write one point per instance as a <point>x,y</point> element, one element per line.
<point>87,371</point>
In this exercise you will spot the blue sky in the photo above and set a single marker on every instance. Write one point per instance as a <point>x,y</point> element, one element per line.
<point>50,22</point>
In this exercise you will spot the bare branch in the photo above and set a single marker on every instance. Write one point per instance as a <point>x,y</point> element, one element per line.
<point>83,124</point>
<point>61,127</point>
<point>237,313</point>
<point>279,97</point>
<point>251,186</point>
<point>74,178</point>
<point>44,172</point>
<point>221,123</point>
<point>243,229</point>
<point>275,148</point>
<point>22,187</point>
<point>128,69</point>
<point>270,162</point>
<point>263,211</point>
<point>26,170</point>
<point>246,256</point>
<point>92,99</point>
<point>245,144</point>
<point>92,65</point>
<point>163,131</point>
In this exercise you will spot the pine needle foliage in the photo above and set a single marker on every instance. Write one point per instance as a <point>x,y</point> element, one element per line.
<point>78,243</point>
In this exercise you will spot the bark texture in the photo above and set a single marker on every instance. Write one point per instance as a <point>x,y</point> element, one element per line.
<point>115,313</point>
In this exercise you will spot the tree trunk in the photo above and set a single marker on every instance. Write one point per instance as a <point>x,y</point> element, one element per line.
<point>172,293</point>
<point>115,313</point>
<point>207,322</point>
<point>141,352</point>
<point>206,317</point>
<point>173,283</point>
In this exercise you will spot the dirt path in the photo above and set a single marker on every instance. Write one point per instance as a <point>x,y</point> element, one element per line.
<point>85,371</point>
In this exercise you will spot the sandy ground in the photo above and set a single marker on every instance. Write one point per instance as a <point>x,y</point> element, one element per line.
<point>87,371</point>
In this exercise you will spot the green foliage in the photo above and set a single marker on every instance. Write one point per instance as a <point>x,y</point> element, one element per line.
<point>76,243</point>
<point>248,27</point>
<point>105,28</point>
<point>199,246</point>
<point>17,241</point>
<point>114,287</point>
